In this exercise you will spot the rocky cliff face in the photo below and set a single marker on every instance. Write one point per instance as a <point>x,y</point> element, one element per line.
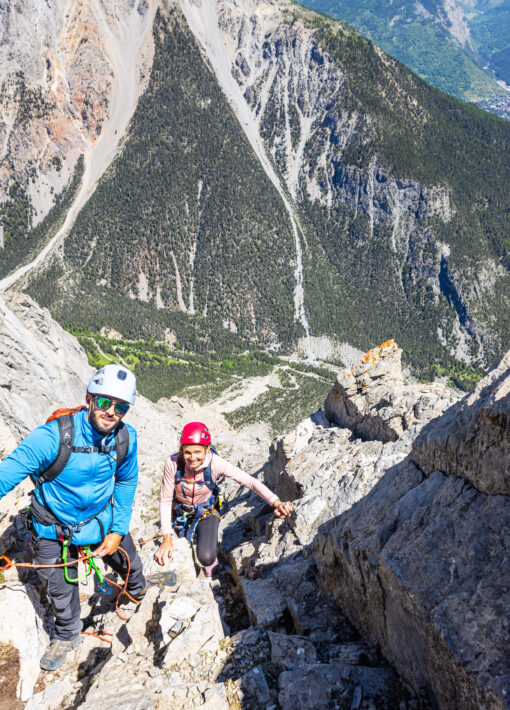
<point>419,563</point>
<point>394,530</point>
<point>389,540</point>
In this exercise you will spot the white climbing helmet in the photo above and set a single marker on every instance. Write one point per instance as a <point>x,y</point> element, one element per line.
<point>114,381</point>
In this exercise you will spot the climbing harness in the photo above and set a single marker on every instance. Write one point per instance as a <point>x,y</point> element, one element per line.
<point>88,560</point>
<point>44,515</point>
<point>188,516</point>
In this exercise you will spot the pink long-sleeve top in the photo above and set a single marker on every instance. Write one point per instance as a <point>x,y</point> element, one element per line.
<point>194,493</point>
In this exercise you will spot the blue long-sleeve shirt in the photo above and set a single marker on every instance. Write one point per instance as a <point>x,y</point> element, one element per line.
<point>85,485</point>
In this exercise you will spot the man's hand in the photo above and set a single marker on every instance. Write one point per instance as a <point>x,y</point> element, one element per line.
<point>109,545</point>
<point>281,508</point>
<point>165,550</point>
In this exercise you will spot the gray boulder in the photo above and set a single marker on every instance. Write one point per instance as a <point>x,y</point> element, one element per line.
<point>329,685</point>
<point>472,439</point>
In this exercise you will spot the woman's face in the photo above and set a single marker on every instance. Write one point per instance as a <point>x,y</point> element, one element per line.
<point>194,455</point>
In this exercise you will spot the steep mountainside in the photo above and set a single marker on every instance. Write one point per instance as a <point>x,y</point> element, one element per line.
<point>70,75</point>
<point>461,48</point>
<point>489,24</point>
<point>289,179</point>
<point>185,218</point>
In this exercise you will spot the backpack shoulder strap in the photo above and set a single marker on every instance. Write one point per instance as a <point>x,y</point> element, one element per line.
<point>208,479</point>
<point>121,443</point>
<point>66,433</point>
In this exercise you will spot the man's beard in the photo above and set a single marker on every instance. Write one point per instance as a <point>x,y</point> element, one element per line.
<point>94,423</point>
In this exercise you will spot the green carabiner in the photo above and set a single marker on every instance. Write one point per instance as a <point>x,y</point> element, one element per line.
<point>65,552</point>
<point>96,569</point>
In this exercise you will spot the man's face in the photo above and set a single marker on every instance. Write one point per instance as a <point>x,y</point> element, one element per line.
<point>103,420</point>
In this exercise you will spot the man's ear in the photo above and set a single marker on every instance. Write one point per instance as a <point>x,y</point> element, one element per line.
<point>88,398</point>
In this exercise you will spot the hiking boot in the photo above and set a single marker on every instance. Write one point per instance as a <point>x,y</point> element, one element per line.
<point>56,653</point>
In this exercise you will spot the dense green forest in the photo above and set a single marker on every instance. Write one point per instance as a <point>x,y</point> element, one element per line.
<point>22,241</point>
<point>185,217</point>
<point>420,137</point>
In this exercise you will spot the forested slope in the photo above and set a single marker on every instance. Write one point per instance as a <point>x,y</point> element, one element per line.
<point>184,221</point>
<point>402,195</point>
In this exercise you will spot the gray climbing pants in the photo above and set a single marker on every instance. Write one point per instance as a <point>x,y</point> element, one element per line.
<point>64,596</point>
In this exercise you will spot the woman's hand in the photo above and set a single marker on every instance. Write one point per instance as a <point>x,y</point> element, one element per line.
<point>165,550</point>
<point>281,508</point>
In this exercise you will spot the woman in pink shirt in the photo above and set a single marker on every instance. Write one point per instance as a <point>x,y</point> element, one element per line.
<point>189,491</point>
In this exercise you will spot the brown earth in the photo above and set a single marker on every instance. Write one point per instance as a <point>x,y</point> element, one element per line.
<point>9,674</point>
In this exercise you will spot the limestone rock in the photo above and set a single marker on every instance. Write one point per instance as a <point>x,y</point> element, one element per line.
<point>373,401</point>
<point>289,652</point>
<point>421,567</point>
<point>472,439</point>
<point>255,688</point>
<point>321,686</point>
<point>216,698</point>
<point>191,640</point>
<point>41,366</point>
<point>22,626</point>
<point>52,697</point>
<point>181,609</point>
<point>264,602</point>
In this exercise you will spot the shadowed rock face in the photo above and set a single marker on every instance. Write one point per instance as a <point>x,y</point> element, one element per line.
<point>421,563</point>
<point>472,439</point>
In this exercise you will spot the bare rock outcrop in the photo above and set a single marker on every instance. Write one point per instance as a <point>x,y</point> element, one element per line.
<point>41,366</point>
<point>61,84</point>
<point>327,470</point>
<point>373,401</point>
<point>472,439</point>
<point>421,563</point>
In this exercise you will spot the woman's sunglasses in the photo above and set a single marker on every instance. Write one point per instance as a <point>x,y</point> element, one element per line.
<point>119,408</point>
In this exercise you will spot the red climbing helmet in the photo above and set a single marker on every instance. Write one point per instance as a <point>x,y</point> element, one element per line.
<point>196,433</point>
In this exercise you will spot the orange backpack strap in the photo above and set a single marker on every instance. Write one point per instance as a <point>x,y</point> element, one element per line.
<point>64,416</point>
<point>63,411</point>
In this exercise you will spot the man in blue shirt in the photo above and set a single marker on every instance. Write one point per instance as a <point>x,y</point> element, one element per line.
<point>88,502</point>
